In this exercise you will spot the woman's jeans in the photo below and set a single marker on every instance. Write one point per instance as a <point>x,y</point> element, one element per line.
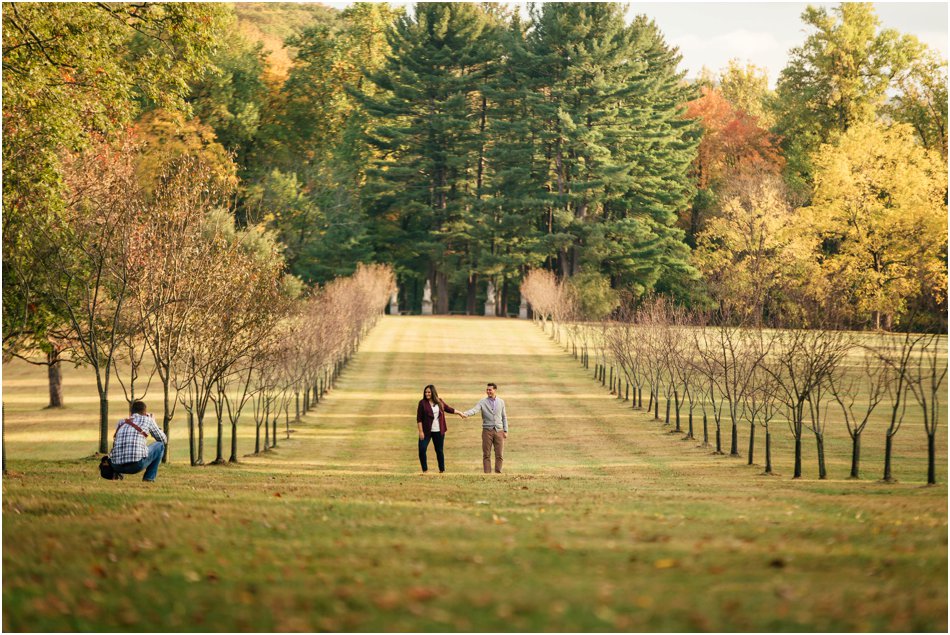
<point>150,463</point>
<point>437,441</point>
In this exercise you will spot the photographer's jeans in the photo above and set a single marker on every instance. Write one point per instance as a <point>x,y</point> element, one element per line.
<point>150,463</point>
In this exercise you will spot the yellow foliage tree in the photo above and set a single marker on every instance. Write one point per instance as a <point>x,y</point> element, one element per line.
<point>754,256</point>
<point>880,210</point>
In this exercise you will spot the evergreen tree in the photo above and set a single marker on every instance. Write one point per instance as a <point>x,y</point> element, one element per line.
<point>423,182</point>
<point>614,143</point>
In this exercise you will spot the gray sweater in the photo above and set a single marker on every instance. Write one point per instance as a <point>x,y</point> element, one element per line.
<point>497,418</point>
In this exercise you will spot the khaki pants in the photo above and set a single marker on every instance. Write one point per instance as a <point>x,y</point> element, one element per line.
<point>493,439</point>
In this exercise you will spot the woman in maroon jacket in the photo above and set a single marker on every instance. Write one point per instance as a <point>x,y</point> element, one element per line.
<point>430,419</point>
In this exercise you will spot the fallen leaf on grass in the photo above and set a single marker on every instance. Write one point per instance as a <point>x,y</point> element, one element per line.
<point>498,520</point>
<point>665,563</point>
<point>388,600</point>
<point>422,594</point>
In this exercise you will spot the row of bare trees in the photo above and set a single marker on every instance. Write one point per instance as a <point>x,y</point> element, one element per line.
<point>717,372</point>
<point>141,277</point>
<point>745,375</point>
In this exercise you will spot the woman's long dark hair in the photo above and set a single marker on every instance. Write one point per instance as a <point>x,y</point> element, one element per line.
<point>435,393</point>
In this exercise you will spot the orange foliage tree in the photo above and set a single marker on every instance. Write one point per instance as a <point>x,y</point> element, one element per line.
<point>733,144</point>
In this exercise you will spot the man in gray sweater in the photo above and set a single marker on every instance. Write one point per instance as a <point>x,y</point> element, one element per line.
<point>494,427</point>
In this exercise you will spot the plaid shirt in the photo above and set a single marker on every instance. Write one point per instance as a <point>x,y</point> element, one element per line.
<point>129,445</point>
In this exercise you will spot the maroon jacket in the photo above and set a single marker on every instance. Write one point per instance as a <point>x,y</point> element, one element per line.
<point>424,414</point>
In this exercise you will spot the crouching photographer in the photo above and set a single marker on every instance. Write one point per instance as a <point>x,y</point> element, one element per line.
<point>130,454</point>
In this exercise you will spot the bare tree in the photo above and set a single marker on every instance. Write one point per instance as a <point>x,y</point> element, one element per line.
<point>847,387</point>
<point>896,354</point>
<point>928,371</point>
<point>762,405</point>
<point>758,399</point>
<point>93,261</point>
<point>801,362</point>
<point>174,289</point>
<point>707,371</point>
<point>687,371</point>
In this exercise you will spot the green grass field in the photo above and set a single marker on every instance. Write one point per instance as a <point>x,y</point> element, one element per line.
<point>604,520</point>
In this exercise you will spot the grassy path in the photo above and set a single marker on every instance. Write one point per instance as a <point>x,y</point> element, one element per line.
<point>603,520</point>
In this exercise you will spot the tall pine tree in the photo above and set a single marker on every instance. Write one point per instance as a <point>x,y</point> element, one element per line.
<point>423,184</point>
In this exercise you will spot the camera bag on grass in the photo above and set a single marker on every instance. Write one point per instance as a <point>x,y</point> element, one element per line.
<point>106,470</point>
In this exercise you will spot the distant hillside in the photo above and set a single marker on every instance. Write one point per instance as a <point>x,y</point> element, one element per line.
<point>271,23</point>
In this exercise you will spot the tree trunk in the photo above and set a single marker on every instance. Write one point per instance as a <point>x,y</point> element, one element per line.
<point>855,454</point>
<point>768,451</point>
<point>297,406</point>
<point>667,421</point>
<point>471,295</point>
<point>719,440</point>
<point>689,435</point>
<point>751,441</point>
<point>734,444</point>
<point>267,428</point>
<point>931,457</point>
<point>820,441</point>
<point>104,422</point>
<point>676,399</point>
<point>201,439</point>
<point>798,456</point>
<point>273,437</point>
<point>257,436</point>
<point>234,457</point>
<point>640,397</point>
<point>501,308</point>
<point>54,371</point>
<point>166,416</point>
<point>650,402</point>
<point>656,407</point>
<point>705,431</point>
<point>191,437</point>
<point>441,292</point>
<point>888,446</point>
<point>219,445</point>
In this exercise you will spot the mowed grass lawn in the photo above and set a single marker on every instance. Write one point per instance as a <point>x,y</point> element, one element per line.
<point>603,520</point>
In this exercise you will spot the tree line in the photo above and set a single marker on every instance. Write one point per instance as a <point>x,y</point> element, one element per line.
<point>715,372</point>
<point>469,143</point>
<point>150,278</point>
